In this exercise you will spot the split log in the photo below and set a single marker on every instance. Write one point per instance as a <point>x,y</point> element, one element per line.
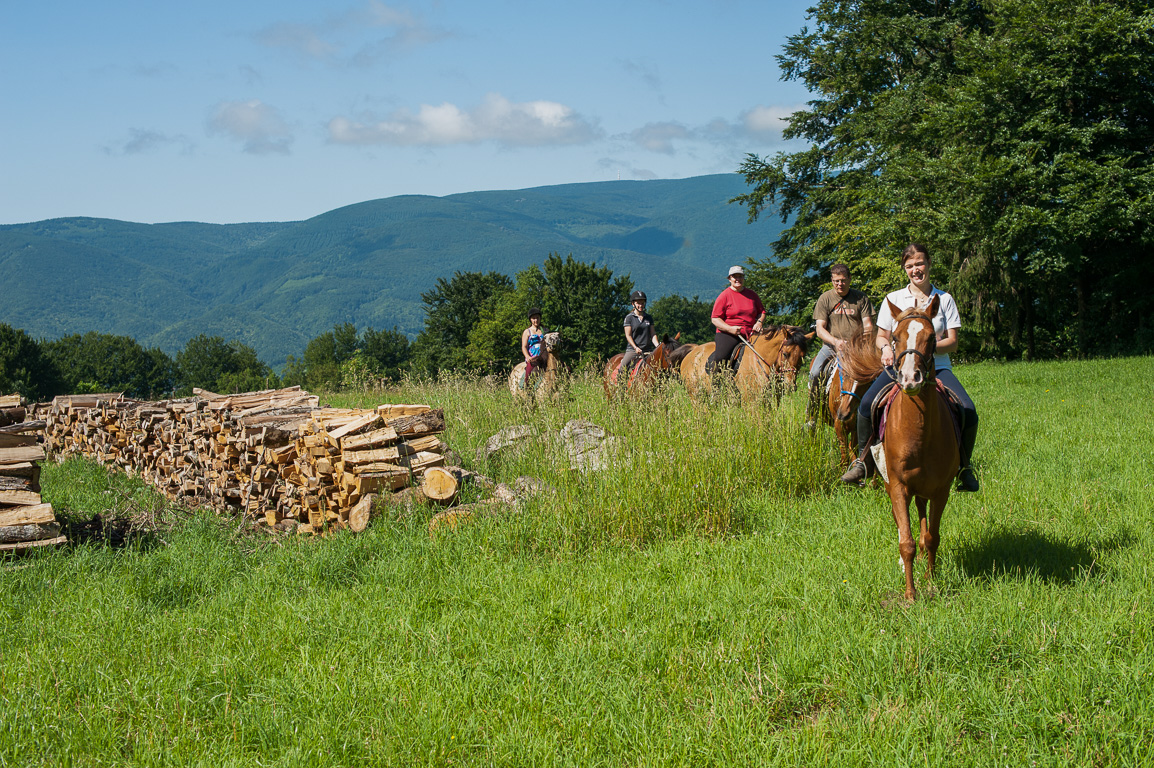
<point>359,515</point>
<point>39,513</point>
<point>20,454</point>
<point>14,497</point>
<point>440,485</point>
<point>31,532</point>
<point>30,544</point>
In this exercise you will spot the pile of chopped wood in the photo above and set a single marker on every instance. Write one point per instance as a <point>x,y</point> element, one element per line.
<point>25,521</point>
<point>274,455</point>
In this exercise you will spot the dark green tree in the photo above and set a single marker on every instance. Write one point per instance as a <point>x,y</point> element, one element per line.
<point>325,354</point>
<point>675,314</point>
<point>1011,136</point>
<point>211,363</point>
<point>495,341</point>
<point>106,363</point>
<point>24,368</point>
<point>452,309</point>
<point>586,304</point>
<point>388,351</point>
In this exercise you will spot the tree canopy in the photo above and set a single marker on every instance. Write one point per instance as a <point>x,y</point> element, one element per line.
<point>1013,137</point>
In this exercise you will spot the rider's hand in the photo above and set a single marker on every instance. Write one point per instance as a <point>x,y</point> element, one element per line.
<point>887,355</point>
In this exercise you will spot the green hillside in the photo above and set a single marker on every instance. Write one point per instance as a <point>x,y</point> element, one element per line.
<point>277,285</point>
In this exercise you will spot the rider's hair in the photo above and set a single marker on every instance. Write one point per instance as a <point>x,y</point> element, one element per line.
<point>913,249</point>
<point>839,269</point>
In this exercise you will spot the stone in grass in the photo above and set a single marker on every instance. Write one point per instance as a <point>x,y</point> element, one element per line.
<point>588,446</point>
<point>508,440</point>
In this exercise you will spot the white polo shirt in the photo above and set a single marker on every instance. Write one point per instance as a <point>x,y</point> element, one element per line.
<point>946,318</point>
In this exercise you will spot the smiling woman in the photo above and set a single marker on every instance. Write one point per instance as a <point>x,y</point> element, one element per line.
<point>917,295</point>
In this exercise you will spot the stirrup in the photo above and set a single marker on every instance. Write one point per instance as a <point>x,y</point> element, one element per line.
<point>856,473</point>
<point>967,480</point>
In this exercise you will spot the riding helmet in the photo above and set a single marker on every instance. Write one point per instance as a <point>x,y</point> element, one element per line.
<point>637,296</point>
<point>534,311</point>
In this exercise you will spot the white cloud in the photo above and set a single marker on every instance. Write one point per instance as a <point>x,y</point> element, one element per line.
<point>358,35</point>
<point>141,141</point>
<point>496,119</point>
<point>760,126</point>
<point>659,137</point>
<point>767,121</point>
<point>259,126</point>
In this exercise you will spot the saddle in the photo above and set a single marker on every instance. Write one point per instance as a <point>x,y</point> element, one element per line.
<point>886,397</point>
<point>632,374</point>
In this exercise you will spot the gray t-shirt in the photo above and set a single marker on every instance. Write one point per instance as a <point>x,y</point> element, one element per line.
<point>642,329</point>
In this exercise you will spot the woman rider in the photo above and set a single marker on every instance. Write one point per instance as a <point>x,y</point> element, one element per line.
<point>533,342</point>
<point>639,333</point>
<point>916,263</point>
<point>736,313</point>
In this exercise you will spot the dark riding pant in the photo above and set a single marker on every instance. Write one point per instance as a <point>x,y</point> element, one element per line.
<point>724,344</point>
<point>865,427</point>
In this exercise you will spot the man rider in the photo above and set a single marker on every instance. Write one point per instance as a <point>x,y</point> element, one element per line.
<point>841,313</point>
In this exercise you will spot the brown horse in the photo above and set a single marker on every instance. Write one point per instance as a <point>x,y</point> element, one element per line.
<point>773,361</point>
<point>920,445</point>
<point>645,372</point>
<point>855,368</point>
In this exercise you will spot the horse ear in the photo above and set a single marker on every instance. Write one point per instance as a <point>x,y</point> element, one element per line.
<point>894,311</point>
<point>932,309</point>
<point>677,337</point>
<point>809,336</point>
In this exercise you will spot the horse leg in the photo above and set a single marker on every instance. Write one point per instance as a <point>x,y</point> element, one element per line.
<point>907,548</point>
<point>930,536</point>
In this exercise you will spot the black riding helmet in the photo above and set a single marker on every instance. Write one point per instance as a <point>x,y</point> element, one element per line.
<point>637,296</point>
<point>534,311</point>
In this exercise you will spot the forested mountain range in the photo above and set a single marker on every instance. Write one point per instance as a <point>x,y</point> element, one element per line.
<point>274,286</point>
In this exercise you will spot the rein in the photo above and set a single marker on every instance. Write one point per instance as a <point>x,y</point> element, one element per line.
<point>770,369</point>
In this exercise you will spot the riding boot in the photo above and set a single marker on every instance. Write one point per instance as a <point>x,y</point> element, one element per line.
<point>967,480</point>
<point>859,470</point>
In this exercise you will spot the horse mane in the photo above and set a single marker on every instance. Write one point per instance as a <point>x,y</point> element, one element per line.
<point>795,337</point>
<point>861,359</point>
<point>678,351</point>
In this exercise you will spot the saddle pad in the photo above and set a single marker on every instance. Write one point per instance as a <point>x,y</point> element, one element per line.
<point>887,396</point>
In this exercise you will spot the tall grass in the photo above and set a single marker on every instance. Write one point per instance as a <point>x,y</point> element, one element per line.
<point>714,599</point>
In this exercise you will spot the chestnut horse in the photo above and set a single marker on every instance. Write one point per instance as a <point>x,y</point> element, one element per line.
<point>647,369</point>
<point>854,370</point>
<point>920,444</point>
<point>773,361</point>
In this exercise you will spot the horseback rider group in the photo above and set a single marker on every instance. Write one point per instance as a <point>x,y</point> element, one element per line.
<point>841,314</point>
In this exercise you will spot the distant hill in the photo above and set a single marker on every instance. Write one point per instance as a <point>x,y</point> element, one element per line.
<point>277,285</point>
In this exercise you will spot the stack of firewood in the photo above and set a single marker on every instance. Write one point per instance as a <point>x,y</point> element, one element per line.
<point>25,521</point>
<point>346,456</point>
<point>273,455</point>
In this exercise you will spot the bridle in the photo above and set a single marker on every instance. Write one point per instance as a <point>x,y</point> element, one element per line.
<point>926,358</point>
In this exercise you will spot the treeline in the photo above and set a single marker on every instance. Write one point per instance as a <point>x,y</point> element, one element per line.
<point>1013,138</point>
<point>473,322</point>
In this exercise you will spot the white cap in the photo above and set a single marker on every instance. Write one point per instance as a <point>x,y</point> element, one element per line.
<point>736,270</point>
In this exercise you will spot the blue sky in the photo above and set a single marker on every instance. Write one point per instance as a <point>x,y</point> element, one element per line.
<point>274,111</point>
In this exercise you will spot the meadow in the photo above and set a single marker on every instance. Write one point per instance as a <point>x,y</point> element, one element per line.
<point>716,598</point>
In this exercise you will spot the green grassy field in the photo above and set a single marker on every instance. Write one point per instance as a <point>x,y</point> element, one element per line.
<point>716,599</point>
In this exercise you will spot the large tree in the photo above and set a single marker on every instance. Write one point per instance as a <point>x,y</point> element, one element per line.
<point>222,366</point>
<point>1012,136</point>
<point>102,362</point>
<point>586,304</point>
<point>452,308</point>
<point>24,368</point>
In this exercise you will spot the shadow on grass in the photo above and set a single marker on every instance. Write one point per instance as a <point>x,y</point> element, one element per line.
<point>1033,555</point>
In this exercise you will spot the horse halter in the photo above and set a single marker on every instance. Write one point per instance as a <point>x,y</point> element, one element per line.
<point>927,359</point>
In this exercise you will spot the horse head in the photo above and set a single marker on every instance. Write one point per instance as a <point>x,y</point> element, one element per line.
<point>660,358</point>
<point>794,347</point>
<point>914,343</point>
<point>552,340</point>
